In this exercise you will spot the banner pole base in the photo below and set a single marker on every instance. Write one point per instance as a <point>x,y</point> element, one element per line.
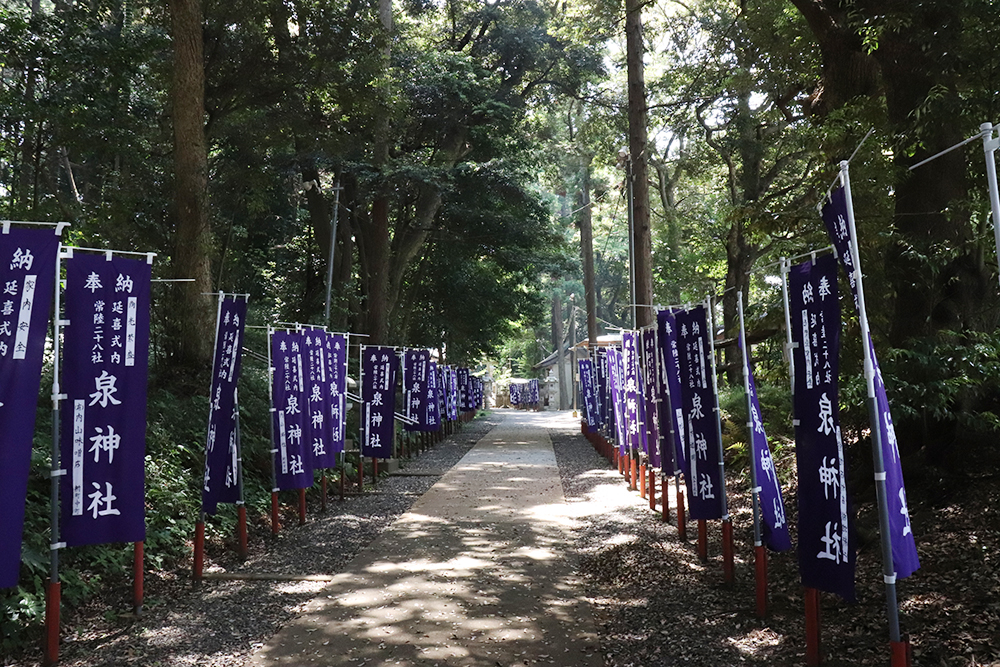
<point>343,474</point>
<point>302,507</point>
<point>138,558</point>
<point>198,566</point>
<point>902,653</point>
<point>361,473</point>
<point>53,595</point>
<point>322,503</point>
<point>682,529</point>
<point>642,480</point>
<point>632,473</point>
<point>760,570</point>
<point>652,488</point>
<point>241,530</point>
<point>703,540</point>
<point>728,565</point>
<point>275,526</point>
<point>374,471</point>
<point>813,654</point>
<point>665,492</point>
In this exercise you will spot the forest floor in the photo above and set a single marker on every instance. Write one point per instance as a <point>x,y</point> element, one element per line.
<point>656,604</point>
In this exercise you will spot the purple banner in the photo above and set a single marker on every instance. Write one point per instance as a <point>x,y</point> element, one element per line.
<point>433,397</point>
<point>222,449</point>
<point>632,386</point>
<point>826,548</point>
<point>292,457</point>
<point>452,393</point>
<point>601,368</point>
<point>464,390</point>
<point>105,372</point>
<point>904,549</point>
<point>336,373</point>
<point>672,414</point>
<point>774,527</point>
<point>587,391</point>
<point>316,411</point>
<point>418,392</point>
<point>378,400</point>
<point>27,274</point>
<point>650,390</point>
<point>617,393</point>
<point>704,449</point>
<point>515,393</point>
<point>533,396</point>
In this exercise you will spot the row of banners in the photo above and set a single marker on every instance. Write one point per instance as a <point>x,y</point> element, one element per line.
<point>657,395</point>
<point>102,398</point>
<point>524,393</point>
<point>104,351</point>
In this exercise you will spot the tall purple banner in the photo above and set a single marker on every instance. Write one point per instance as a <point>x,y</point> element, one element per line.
<point>632,385</point>
<point>617,393</point>
<point>587,391</point>
<point>464,390</point>
<point>378,400</point>
<point>418,391</point>
<point>336,373</point>
<point>516,393</point>
<point>672,410</point>
<point>27,274</point>
<point>317,399</point>
<point>651,398</point>
<point>452,393</point>
<point>601,373</point>
<point>904,548</point>
<point>533,396</point>
<point>433,397</point>
<point>826,549</point>
<point>222,471</point>
<point>105,372</point>
<point>292,456</point>
<point>704,449</point>
<point>772,506</point>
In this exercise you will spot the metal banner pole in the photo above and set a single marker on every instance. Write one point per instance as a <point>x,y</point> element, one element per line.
<point>275,525</point>
<point>888,571</point>
<point>760,554</point>
<point>728,570</point>
<point>990,145</point>
<point>53,589</point>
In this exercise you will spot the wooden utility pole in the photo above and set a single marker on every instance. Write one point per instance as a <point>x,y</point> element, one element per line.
<point>637,140</point>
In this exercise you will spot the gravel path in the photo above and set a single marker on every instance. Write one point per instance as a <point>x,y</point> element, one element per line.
<point>655,603</point>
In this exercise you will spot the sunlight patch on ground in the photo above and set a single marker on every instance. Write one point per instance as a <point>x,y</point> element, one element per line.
<point>756,642</point>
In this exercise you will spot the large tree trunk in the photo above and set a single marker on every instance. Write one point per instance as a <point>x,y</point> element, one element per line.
<point>192,320</point>
<point>377,241</point>
<point>637,141</point>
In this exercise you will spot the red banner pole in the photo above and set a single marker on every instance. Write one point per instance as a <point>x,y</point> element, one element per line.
<point>760,570</point>
<point>53,595</point>
<point>652,488</point>
<point>361,473</point>
<point>198,566</point>
<point>665,492</point>
<point>374,471</point>
<point>703,540</point>
<point>813,654</point>
<point>902,653</point>
<point>642,480</point>
<point>632,473</point>
<point>322,503</point>
<point>138,556</point>
<point>682,529</point>
<point>241,530</point>
<point>728,567</point>
<point>275,526</point>
<point>302,507</point>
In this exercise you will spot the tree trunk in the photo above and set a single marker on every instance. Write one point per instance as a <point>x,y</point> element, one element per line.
<point>587,252</point>
<point>637,141</point>
<point>378,240</point>
<point>192,320</point>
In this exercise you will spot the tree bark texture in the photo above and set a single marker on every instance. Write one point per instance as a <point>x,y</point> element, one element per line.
<point>637,141</point>
<point>192,320</point>
<point>587,252</point>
